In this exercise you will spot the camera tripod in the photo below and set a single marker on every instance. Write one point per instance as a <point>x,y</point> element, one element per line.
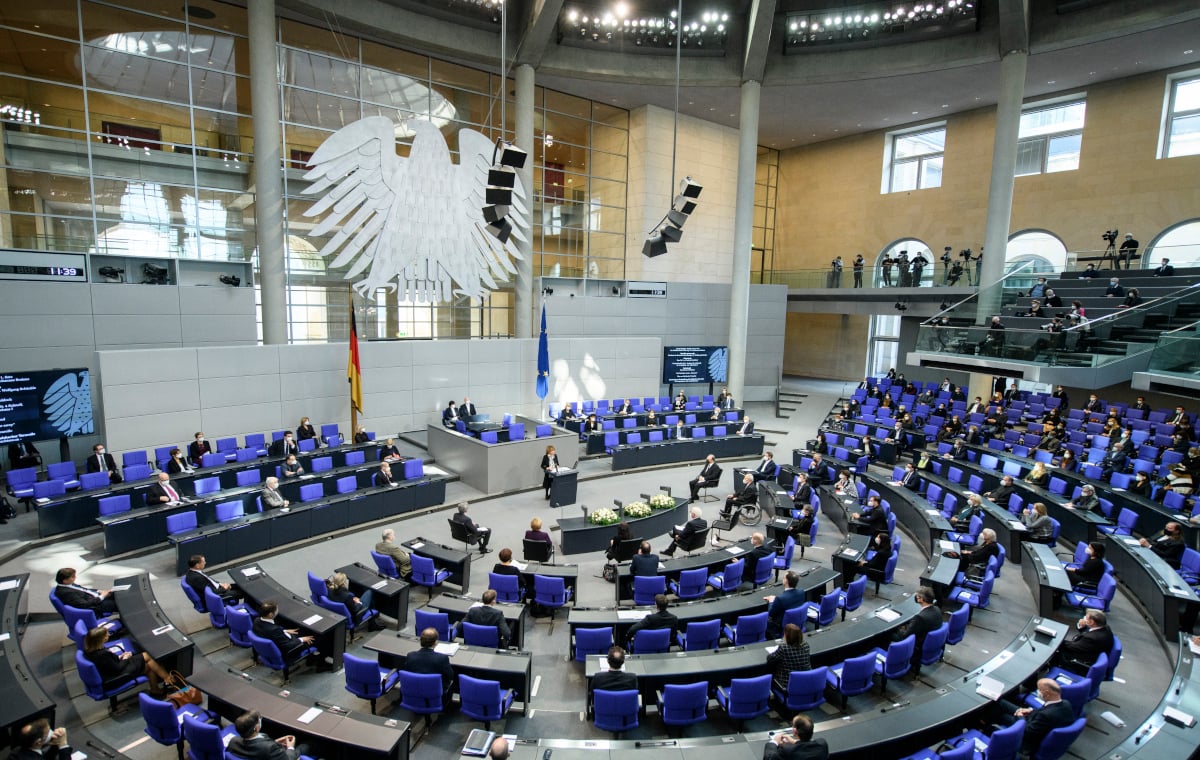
<point>1110,255</point>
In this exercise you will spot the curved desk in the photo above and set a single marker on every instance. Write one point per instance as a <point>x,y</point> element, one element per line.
<point>677,451</point>
<point>24,698</point>
<point>328,628</point>
<point>149,626</point>
<point>579,536</point>
<point>1172,604</point>
<point>514,670</point>
<point>1162,735</point>
<point>1009,529</point>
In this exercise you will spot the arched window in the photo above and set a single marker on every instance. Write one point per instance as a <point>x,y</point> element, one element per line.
<point>913,247</point>
<point>1043,248</point>
<point>1180,243</point>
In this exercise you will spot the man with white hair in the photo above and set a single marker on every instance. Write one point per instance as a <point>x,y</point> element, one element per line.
<point>399,556</point>
<point>271,498</point>
<point>682,533</point>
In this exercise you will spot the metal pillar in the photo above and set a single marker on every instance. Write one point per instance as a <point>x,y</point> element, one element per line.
<point>523,281</point>
<point>743,221</point>
<point>268,174</point>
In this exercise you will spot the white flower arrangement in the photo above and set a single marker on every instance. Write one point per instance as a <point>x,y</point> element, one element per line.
<point>637,509</point>
<point>662,501</point>
<point>604,517</point>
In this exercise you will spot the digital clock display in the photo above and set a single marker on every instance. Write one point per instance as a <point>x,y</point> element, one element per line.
<point>20,271</point>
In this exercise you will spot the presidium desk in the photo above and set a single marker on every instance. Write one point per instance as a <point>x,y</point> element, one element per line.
<point>499,467</point>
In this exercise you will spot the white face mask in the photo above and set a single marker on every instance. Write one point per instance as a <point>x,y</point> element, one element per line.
<point>100,452</point>
<point>200,439</point>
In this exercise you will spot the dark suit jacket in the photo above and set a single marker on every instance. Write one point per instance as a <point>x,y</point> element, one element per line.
<point>93,464</point>
<point>814,749</point>
<point>614,680</point>
<point>1165,270</point>
<point>47,753</point>
<point>911,481</point>
<point>875,519</point>
<point>280,449</point>
<point>346,596</point>
<point>268,629</point>
<point>654,622</point>
<point>428,661</point>
<point>198,582</point>
<point>485,615</point>
<point>197,450</point>
<point>644,564</point>
<point>1042,721</point>
<point>305,432</point>
<point>1084,647</point>
<point>23,454</point>
<point>77,598</point>
<point>156,493</point>
<point>1170,551</point>
<point>783,602</point>
<point>449,416</point>
<point>466,411</point>
<point>746,428</point>
<point>464,519</point>
<point>261,747</point>
<point>624,409</point>
<point>690,528</point>
<point>925,621</point>
<point>753,557</point>
<point>711,472</point>
<point>803,495</point>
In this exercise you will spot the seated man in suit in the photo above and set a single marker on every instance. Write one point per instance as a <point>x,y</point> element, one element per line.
<point>485,534</point>
<point>450,415</point>
<point>660,618</point>
<point>426,660</point>
<point>252,744</point>
<point>1169,545</point>
<point>467,410</point>
<point>22,454</point>
<point>384,476</point>
<point>709,474</point>
<point>290,645</point>
<point>929,619</point>
<point>625,408</point>
<point>909,479</point>
<point>162,492</point>
<point>734,501</point>
<point>1081,648</point>
<point>779,604</point>
<point>198,448</point>
<point>337,589</point>
<point>871,520</point>
<point>746,427</point>
<point>696,524</point>
<point>487,614</point>
<point>285,446</point>
<point>271,498</point>
<point>387,545</point>
<point>797,745</point>
<point>615,678</point>
<point>645,562</point>
<point>760,552</point>
<point>804,491</point>
<point>102,461</point>
<point>199,580</point>
<point>72,594</point>
<point>766,468</point>
<point>35,741</point>
<point>1039,722</point>
<point>816,470</point>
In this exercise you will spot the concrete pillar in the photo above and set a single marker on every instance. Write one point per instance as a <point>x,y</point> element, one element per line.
<point>1000,189</point>
<point>268,178</point>
<point>743,221</point>
<point>523,281</point>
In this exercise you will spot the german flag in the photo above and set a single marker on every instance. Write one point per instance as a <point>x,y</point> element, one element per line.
<point>353,367</point>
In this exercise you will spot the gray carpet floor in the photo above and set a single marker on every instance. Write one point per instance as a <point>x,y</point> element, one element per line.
<point>556,707</point>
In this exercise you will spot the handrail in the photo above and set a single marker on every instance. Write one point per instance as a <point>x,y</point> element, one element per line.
<point>1141,308</point>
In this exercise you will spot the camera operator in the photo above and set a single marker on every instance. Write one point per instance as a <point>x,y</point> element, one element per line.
<point>858,270</point>
<point>946,258</point>
<point>1128,251</point>
<point>965,254</point>
<point>835,273</point>
<point>956,272</point>
<point>886,264</point>
<point>905,275</point>
<point>918,268</point>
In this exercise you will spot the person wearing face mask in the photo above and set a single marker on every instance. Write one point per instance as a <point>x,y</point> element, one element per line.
<point>177,464</point>
<point>37,741</point>
<point>305,430</point>
<point>197,449</point>
<point>285,446</point>
<point>102,461</point>
<point>252,744</point>
<point>1114,289</point>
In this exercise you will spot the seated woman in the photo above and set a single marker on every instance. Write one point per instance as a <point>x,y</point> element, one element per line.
<point>1038,523</point>
<point>1092,569</point>
<point>680,402</point>
<point>567,413</point>
<point>305,430</point>
<point>360,435</point>
<point>624,533</point>
<point>118,667</point>
<point>1132,298</point>
<point>338,590</point>
<point>1067,462</point>
<point>801,529</point>
<point>974,507</point>
<point>389,453</point>
<point>178,464</point>
<point>535,533</point>
<point>1141,484</point>
<point>1038,475</point>
<point>822,446</point>
<point>792,655</point>
<point>653,420</point>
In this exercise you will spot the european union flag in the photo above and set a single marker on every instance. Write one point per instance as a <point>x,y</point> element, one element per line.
<point>543,373</point>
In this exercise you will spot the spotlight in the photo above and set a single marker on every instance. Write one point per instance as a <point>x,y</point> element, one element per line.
<point>654,246</point>
<point>689,188</point>
<point>511,155</point>
<point>676,218</point>
<point>504,176</point>
<point>670,233</point>
<point>232,280</point>
<point>498,196</point>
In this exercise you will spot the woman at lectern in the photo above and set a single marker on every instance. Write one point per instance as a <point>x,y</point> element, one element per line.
<point>549,465</point>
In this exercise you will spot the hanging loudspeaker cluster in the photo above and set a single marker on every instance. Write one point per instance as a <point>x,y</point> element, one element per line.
<point>670,229</point>
<point>502,177</point>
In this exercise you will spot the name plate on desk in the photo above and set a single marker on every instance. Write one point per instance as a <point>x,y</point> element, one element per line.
<point>1044,630</point>
<point>1179,717</point>
<point>887,614</point>
<point>250,572</point>
<point>447,648</point>
<point>311,620</point>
